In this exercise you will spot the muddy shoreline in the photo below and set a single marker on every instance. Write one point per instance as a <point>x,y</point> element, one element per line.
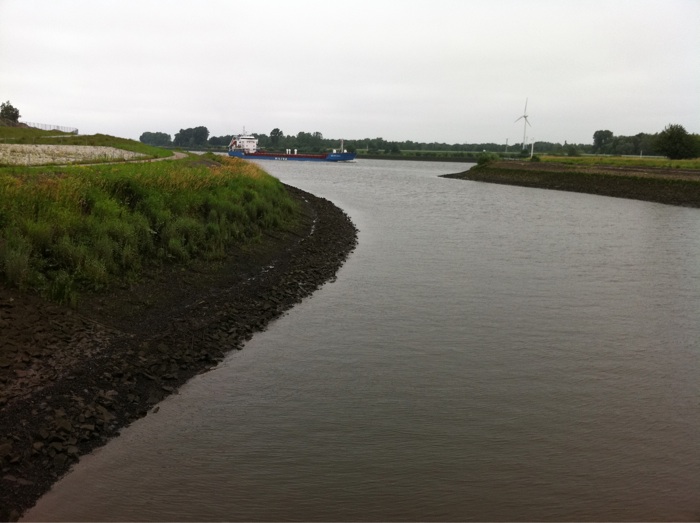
<point>669,186</point>
<point>71,379</point>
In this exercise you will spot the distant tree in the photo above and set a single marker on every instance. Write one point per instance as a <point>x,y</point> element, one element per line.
<point>8,112</point>
<point>194,136</point>
<point>675,143</point>
<point>220,141</point>
<point>572,150</point>
<point>200,135</point>
<point>263,140</point>
<point>602,140</point>
<point>376,144</point>
<point>158,139</point>
<point>304,140</point>
<point>182,137</point>
<point>275,136</point>
<point>485,158</point>
<point>624,145</point>
<point>647,143</point>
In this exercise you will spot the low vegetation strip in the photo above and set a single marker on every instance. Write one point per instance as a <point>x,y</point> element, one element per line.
<point>67,229</point>
<point>643,162</point>
<point>669,186</point>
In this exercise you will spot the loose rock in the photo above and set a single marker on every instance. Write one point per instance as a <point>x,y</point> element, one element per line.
<point>84,374</point>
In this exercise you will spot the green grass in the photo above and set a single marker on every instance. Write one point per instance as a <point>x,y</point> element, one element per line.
<point>20,135</point>
<point>662,189</point>
<point>26,134</point>
<point>624,161</point>
<point>65,230</point>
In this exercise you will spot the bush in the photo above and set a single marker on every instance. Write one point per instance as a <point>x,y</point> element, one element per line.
<point>486,158</point>
<point>571,150</point>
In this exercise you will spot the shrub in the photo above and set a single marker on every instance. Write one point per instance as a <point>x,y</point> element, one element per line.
<point>486,158</point>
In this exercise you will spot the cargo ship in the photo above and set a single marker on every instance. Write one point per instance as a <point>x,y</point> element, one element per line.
<point>246,146</point>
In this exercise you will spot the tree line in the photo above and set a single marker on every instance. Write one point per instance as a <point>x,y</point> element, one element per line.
<point>674,142</point>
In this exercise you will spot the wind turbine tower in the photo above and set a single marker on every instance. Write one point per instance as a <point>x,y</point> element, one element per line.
<point>526,122</point>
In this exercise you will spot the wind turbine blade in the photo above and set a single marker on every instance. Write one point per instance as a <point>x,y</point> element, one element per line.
<point>528,122</point>
<point>519,119</point>
<point>525,111</point>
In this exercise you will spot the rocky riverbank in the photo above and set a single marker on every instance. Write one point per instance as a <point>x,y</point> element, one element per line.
<point>670,186</point>
<point>71,379</point>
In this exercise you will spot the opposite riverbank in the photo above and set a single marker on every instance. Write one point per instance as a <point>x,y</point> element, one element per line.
<point>669,186</point>
<point>70,379</point>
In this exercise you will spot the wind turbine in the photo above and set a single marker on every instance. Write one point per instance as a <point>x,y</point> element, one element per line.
<point>526,122</point>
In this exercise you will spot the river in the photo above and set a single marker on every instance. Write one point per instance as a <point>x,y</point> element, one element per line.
<point>488,352</point>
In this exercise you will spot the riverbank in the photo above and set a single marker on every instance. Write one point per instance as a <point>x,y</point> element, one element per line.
<point>70,379</point>
<point>426,157</point>
<point>669,186</point>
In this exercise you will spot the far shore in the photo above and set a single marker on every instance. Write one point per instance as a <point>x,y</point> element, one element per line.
<point>668,186</point>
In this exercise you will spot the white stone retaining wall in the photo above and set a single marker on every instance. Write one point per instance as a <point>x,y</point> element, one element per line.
<point>25,154</point>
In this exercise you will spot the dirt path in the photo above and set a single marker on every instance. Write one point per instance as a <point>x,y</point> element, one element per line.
<point>177,155</point>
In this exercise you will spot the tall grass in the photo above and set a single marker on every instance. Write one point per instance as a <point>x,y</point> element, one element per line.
<point>624,161</point>
<point>67,229</point>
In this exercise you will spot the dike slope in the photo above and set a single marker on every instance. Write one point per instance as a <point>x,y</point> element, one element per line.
<point>70,379</point>
<point>669,186</point>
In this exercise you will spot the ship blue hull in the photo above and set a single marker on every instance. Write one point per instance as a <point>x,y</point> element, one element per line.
<point>330,157</point>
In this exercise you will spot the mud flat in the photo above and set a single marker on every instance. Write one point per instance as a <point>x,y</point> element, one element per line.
<point>70,379</point>
<point>669,186</point>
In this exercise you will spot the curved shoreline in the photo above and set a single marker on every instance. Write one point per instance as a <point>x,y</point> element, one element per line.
<point>668,186</point>
<point>70,380</point>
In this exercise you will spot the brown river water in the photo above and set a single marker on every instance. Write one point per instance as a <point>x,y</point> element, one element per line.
<point>487,353</point>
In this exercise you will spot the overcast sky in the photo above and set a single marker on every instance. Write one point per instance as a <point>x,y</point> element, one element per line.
<point>454,71</point>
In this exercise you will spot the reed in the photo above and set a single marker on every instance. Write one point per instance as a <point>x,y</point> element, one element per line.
<point>63,230</point>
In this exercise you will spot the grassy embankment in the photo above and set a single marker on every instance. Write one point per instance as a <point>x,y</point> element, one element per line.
<point>31,136</point>
<point>623,161</point>
<point>656,180</point>
<point>67,229</point>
